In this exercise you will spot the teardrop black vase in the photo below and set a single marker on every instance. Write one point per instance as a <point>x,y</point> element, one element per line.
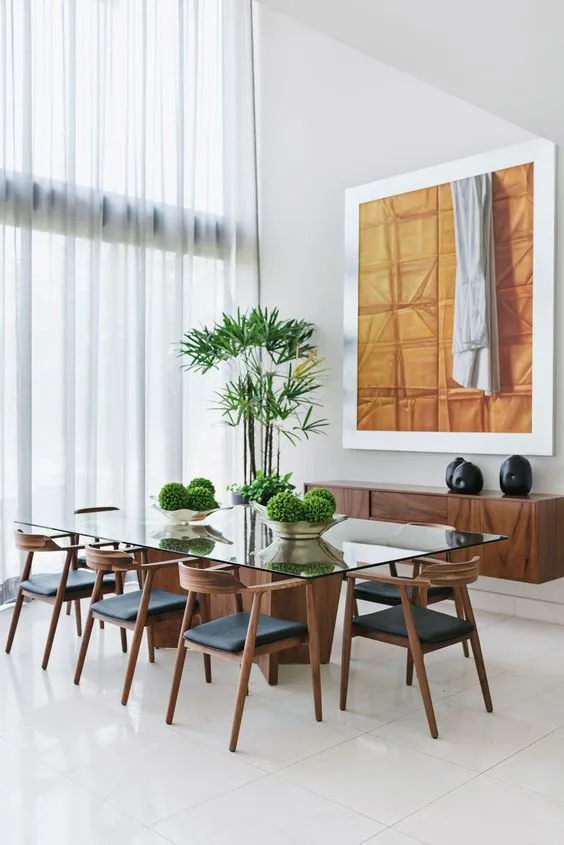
<point>467,478</point>
<point>449,472</point>
<point>516,476</point>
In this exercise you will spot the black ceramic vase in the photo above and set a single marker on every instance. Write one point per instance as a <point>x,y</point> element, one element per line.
<point>516,476</point>
<point>467,478</point>
<point>450,471</point>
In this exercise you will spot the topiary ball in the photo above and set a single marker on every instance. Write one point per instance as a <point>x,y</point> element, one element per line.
<point>201,546</point>
<point>323,493</point>
<point>200,499</point>
<point>202,482</point>
<point>318,509</point>
<point>173,496</point>
<point>285,507</point>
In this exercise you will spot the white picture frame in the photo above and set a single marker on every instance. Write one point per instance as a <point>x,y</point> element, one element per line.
<point>540,441</point>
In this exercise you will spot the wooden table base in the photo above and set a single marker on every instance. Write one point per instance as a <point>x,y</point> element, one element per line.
<point>285,604</point>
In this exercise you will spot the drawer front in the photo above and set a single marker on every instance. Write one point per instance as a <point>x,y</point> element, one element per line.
<point>408,507</point>
<point>350,501</point>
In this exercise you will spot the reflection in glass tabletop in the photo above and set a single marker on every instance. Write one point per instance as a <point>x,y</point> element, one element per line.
<point>237,535</point>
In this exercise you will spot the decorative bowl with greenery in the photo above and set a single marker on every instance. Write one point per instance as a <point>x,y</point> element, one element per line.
<point>181,504</point>
<point>273,376</point>
<point>292,517</point>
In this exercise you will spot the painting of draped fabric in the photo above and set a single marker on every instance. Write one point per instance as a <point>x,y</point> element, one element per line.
<point>407,265</point>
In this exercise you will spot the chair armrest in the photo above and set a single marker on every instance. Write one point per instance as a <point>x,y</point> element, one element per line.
<point>277,585</point>
<point>164,564</point>
<point>388,579</point>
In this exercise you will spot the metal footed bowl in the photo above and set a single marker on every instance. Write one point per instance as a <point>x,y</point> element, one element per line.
<point>182,516</point>
<point>297,530</point>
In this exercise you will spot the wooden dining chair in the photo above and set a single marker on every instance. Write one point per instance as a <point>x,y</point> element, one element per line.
<point>80,560</point>
<point>56,588</point>
<point>136,610</point>
<point>413,626</point>
<point>241,636</point>
<point>389,594</point>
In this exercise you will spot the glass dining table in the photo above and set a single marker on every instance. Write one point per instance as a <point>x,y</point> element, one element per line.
<point>238,536</point>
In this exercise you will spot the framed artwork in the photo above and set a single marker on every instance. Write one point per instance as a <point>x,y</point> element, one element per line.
<point>449,307</point>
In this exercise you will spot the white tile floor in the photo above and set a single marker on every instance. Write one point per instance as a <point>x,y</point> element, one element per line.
<point>76,766</point>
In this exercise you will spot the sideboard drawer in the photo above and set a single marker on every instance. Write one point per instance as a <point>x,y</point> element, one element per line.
<point>407,507</point>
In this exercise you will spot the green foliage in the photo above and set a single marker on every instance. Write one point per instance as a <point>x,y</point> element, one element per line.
<point>200,499</point>
<point>173,496</point>
<point>267,485</point>
<point>318,509</point>
<point>323,493</point>
<point>273,378</point>
<point>202,482</point>
<point>196,546</point>
<point>285,507</point>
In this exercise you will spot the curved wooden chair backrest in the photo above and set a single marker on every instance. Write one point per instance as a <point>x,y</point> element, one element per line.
<point>109,560</point>
<point>208,580</point>
<point>449,573</point>
<point>100,509</point>
<point>35,543</point>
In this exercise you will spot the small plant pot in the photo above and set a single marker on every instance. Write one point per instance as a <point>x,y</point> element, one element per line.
<point>266,498</point>
<point>238,499</point>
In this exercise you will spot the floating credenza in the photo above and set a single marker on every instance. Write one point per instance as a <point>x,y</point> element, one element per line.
<point>534,524</point>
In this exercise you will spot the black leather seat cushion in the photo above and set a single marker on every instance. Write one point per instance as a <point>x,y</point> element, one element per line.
<point>78,581</point>
<point>432,626</point>
<point>388,594</point>
<point>126,607</point>
<point>229,632</point>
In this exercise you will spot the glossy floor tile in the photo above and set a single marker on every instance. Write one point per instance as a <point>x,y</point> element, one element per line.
<point>76,766</point>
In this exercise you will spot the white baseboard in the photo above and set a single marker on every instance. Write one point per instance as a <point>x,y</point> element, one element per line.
<point>542,611</point>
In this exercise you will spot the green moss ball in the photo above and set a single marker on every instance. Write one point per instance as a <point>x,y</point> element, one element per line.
<point>318,509</point>
<point>323,493</point>
<point>285,507</point>
<point>200,499</point>
<point>197,546</point>
<point>202,482</point>
<point>173,496</point>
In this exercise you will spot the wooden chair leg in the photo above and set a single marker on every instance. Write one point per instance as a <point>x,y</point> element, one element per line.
<point>69,610</point>
<point>245,673</point>
<point>346,648</point>
<point>314,651</point>
<point>409,669</point>
<point>207,668</point>
<point>461,615</point>
<point>15,619</point>
<point>101,624</point>
<point>57,607</point>
<point>180,658</point>
<point>150,644</point>
<point>417,656</point>
<point>205,616</point>
<point>19,603</point>
<point>137,637</point>
<point>119,592</point>
<point>96,593</point>
<point>477,651</point>
<point>77,616</point>
<point>355,607</point>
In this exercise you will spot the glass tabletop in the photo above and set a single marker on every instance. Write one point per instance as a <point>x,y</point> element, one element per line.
<point>238,535</point>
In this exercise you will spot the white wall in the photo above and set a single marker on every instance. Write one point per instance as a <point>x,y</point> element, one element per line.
<point>328,118</point>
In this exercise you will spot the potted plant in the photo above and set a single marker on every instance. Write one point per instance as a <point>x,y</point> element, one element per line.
<point>273,377</point>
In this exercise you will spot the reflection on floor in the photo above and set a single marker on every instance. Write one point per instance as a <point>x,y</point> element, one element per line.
<point>76,766</point>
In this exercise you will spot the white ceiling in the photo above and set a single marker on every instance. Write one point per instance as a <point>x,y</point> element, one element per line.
<point>506,56</point>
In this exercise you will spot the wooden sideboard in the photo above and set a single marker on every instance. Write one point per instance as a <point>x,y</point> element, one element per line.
<point>534,524</point>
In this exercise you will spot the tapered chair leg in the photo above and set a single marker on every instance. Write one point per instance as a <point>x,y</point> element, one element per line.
<point>150,645</point>
<point>77,616</point>
<point>346,646</point>
<point>460,613</point>
<point>409,669</point>
<point>52,629</point>
<point>96,592</point>
<point>245,673</point>
<point>15,619</point>
<point>119,592</point>
<point>180,658</point>
<point>313,634</point>
<point>137,637</point>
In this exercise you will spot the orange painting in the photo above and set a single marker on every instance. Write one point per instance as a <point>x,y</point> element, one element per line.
<point>406,285</point>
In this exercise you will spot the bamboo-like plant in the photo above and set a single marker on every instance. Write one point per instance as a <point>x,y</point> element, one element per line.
<point>273,376</point>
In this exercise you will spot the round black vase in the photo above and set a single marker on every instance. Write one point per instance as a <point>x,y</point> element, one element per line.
<point>467,478</point>
<point>449,472</point>
<point>516,476</point>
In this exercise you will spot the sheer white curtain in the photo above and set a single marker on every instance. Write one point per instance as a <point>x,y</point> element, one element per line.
<point>127,214</point>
